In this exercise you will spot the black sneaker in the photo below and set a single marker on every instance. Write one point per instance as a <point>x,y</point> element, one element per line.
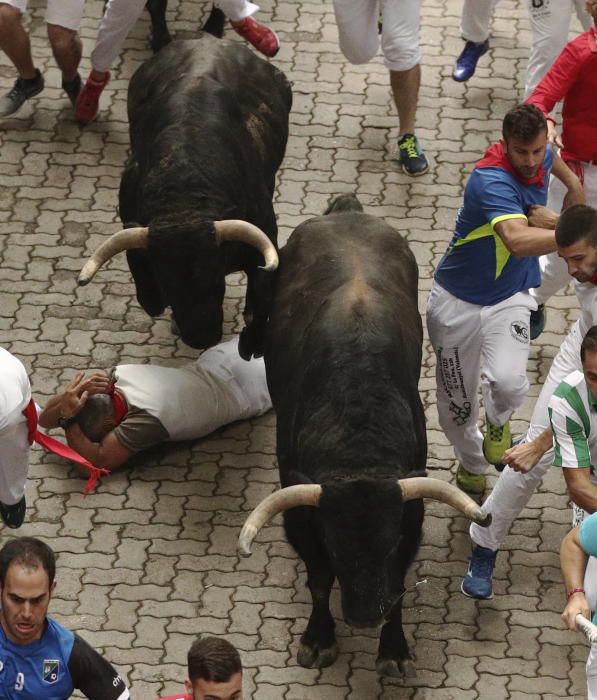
<point>21,91</point>
<point>72,88</point>
<point>412,158</point>
<point>13,516</point>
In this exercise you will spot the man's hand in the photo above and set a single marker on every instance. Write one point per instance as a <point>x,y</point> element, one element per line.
<point>74,396</point>
<point>542,217</point>
<point>574,196</point>
<point>552,135</point>
<point>522,458</point>
<point>96,383</point>
<point>577,603</point>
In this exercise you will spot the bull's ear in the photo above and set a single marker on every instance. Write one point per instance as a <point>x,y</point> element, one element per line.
<point>295,478</point>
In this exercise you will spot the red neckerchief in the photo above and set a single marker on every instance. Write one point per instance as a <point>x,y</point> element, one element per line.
<point>60,449</point>
<point>118,404</point>
<point>496,157</point>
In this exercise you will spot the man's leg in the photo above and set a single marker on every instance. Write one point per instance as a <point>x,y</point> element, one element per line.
<point>14,41</point>
<point>357,29</point>
<point>400,45</point>
<point>240,12</point>
<point>118,20</point>
<point>474,27</point>
<point>504,383</point>
<point>454,329</point>
<point>513,489</point>
<point>64,19</point>
<point>14,456</point>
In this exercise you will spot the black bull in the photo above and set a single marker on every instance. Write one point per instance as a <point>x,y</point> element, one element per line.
<point>208,127</point>
<point>343,358</point>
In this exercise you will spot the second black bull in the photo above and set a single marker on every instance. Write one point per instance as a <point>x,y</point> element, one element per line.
<point>343,358</point>
<point>208,128</point>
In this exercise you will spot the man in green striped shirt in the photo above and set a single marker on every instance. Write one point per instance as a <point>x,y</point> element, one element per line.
<point>573,417</point>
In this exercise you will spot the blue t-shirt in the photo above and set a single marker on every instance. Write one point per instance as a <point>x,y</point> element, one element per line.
<point>587,536</point>
<point>51,667</point>
<point>477,267</point>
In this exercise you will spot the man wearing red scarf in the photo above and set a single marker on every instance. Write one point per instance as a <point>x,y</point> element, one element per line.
<point>109,419</point>
<point>479,306</point>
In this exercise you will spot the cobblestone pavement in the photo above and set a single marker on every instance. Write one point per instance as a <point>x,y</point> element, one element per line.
<point>150,559</point>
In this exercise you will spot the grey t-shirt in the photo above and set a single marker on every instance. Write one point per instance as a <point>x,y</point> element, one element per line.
<point>139,430</point>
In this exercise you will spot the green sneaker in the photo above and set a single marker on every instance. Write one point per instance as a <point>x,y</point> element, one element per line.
<point>496,441</point>
<point>411,156</point>
<point>471,483</point>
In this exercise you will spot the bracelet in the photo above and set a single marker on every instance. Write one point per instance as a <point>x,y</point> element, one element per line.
<point>573,591</point>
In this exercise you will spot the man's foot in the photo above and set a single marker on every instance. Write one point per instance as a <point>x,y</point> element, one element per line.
<point>14,515</point>
<point>497,440</point>
<point>412,158</point>
<point>464,67</point>
<point>21,91</point>
<point>72,88</point>
<point>471,483</point>
<point>477,582</point>
<point>537,323</point>
<point>500,466</point>
<point>264,39</point>
<point>87,104</point>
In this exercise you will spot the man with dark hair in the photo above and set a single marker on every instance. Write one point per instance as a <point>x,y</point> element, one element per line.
<point>215,671</point>
<point>479,306</point>
<point>576,238</point>
<point>107,420</point>
<point>40,658</point>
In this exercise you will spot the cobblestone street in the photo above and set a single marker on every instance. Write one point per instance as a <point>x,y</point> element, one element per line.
<point>150,560</point>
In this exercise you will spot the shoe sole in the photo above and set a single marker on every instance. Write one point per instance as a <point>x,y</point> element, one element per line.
<point>405,171</point>
<point>474,597</point>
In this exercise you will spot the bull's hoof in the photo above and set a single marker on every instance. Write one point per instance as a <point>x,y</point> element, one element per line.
<point>313,657</point>
<point>405,668</point>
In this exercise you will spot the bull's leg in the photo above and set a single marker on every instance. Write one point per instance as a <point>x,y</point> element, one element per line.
<point>214,24</point>
<point>256,311</point>
<point>160,36</point>
<point>394,657</point>
<point>318,643</point>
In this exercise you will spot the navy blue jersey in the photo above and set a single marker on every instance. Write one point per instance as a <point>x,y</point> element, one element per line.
<point>51,667</point>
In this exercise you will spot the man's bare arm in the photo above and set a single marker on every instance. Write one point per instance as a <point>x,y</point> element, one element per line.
<point>576,193</point>
<point>522,458</point>
<point>109,453</point>
<point>523,240</point>
<point>573,561</point>
<point>580,488</point>
<point>70,400</point>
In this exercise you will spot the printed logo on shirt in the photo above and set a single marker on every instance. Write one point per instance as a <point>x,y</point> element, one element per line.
<point>519,330</point>
<point>461,413</point>
<point>51,670</point>
<point>539,8</point>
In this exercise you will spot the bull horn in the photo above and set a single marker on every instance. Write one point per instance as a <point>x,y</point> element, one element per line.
<point>425,487</point>
<point>123,240</point>
<point>283,499</point>
<point>243,231</point>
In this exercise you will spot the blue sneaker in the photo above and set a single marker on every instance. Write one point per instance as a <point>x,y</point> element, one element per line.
<point>413,160</point>
<point>465,65</point>
<point>477,582</point>
<point>537,323</point>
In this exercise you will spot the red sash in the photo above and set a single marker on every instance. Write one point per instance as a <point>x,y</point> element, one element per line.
<point>496,157</point>
<point>60,449</point>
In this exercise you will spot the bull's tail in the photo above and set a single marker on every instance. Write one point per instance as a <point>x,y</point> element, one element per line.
<point>215,23</point>
<point>344,202</point>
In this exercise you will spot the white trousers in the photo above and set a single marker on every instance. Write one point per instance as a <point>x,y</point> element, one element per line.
<point>554,272</point>
<point>486,344</point>
<point>14,462</point>
<point>550,22</point>
<point>121,16</point>
<point>513,490</point>
<point>358,33</point>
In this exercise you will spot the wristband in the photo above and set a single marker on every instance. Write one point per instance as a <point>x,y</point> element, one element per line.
<point>64,422</point>
<point>573,591</point>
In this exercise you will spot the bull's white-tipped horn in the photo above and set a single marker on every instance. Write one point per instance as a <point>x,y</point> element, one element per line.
<point>283,499</point>
<point>243,231</point>
<point>122,240</point>
<point>425,487</point>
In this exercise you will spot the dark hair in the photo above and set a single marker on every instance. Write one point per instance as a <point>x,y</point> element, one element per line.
<point>524,122</point>
<point>577,223</point>
<point>93,416</point>
<point>589,343</point>
<point>31,553</point>
<point>213,659</point>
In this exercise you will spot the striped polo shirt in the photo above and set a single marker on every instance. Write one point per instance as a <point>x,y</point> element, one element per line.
<point>573,417</point>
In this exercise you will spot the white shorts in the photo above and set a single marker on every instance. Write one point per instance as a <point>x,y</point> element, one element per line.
<point>64,13</point>
<point>358,32</point>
